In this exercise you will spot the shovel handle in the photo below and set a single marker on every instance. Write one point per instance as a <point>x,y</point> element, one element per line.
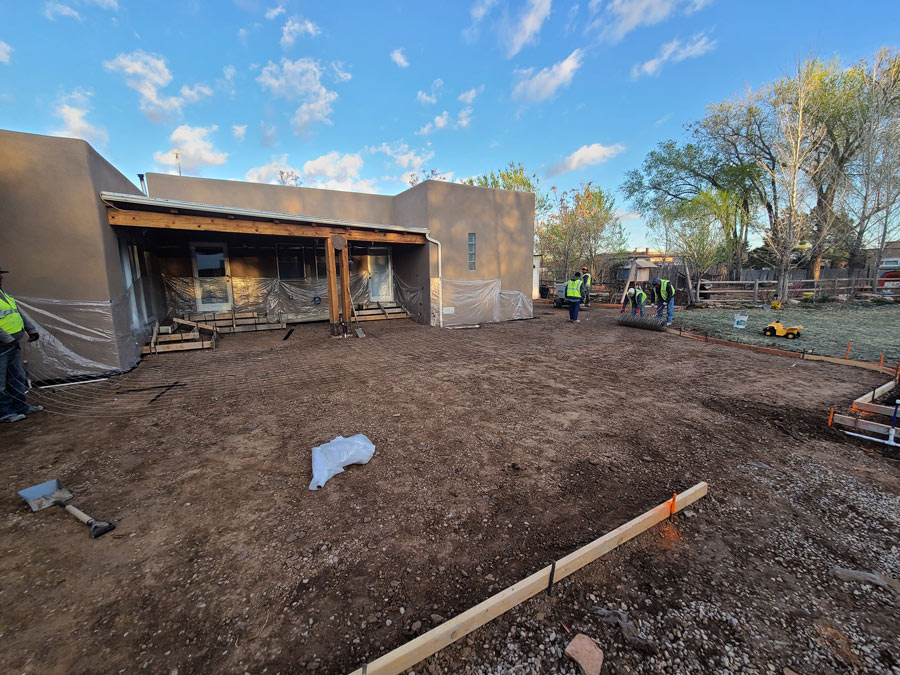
<point>81,515</point>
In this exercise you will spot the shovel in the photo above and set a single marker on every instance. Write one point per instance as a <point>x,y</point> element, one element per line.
<point>359,331</point>
<point>54,493</point>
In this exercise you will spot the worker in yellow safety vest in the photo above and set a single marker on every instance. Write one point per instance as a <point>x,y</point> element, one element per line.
<point>585,287</point>
<point>636,298</point>
<point>664,297</point>
<point>13,380</point>
<point>573,296</point>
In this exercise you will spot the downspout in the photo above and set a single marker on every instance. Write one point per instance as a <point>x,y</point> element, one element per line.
<point>440,279</point>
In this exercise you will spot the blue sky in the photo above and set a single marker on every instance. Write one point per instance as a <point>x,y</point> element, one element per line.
<point>355,95</point>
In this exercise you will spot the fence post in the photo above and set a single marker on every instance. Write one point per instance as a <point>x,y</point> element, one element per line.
<point>756,291</point>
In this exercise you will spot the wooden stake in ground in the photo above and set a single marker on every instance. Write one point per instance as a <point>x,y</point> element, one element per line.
<point>447,633</point>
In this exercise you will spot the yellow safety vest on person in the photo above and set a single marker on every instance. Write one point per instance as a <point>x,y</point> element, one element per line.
<point>573,289</point>
<point>586,280</point>
<point>666,289</point>
<point>10,320</point>
<point>639,298</point>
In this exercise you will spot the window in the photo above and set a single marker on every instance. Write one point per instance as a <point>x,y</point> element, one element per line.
<point>301,263</point>
<point>471,250</point>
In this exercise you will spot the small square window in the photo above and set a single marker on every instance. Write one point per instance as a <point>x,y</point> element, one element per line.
<point>471,250</point>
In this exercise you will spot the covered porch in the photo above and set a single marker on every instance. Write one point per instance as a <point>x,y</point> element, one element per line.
<point>185,258</point>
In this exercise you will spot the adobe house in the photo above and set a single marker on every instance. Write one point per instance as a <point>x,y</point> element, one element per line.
<point>95,261</point>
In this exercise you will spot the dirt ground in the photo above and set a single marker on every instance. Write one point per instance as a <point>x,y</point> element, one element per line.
<point>499,449</point>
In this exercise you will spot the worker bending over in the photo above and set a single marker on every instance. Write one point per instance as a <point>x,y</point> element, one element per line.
<point>573,295</point>
<point>585,287</point>
<point>664,297</point>
<point>636,298</point>
<point>13,380</point>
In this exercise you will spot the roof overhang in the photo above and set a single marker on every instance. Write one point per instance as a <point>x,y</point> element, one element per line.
<point>128,210</point>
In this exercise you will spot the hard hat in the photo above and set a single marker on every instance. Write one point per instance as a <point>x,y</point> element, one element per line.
<point>630,292</point>
<point>584,268</point>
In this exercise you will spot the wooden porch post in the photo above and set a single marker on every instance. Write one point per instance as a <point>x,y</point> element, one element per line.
<point>330,268</point>
<point>345,283</point>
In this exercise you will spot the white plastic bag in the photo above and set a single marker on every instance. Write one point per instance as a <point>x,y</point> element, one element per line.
<point>329,459</point>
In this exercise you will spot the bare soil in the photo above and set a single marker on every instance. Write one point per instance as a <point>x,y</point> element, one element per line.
<point>499,449</point>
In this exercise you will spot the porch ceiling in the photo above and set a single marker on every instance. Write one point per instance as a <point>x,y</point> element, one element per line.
<point>148,212</point>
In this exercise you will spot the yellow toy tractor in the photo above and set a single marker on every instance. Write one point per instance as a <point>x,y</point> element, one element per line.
<point>775,329</point>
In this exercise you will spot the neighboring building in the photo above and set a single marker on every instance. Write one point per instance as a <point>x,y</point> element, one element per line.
<point>94,261</point>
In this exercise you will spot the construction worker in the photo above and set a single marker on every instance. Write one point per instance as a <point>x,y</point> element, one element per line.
<point>13,326</point>
<point>573,296</point>
<point>664,297</point>
<point>636,298</point>
<point>585,287</point>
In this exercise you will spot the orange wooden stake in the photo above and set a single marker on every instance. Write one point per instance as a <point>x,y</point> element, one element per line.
<point>831,417</point>
<point>848,350</point>
<point>881,363</point>
<point>672,505</point>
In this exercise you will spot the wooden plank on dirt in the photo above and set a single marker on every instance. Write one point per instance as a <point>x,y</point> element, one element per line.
<point>179,337</point>
<point>886,410</point>
<point>870,396</point>
<point>179,347</point>
<point>251,329</point>
<point>379,317</point>
<point>420,648</point>
<point>196,324</point>
<point>861,425</point>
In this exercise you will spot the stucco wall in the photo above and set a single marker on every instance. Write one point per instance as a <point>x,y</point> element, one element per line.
<point>503,223</point>
<point>311,202</point>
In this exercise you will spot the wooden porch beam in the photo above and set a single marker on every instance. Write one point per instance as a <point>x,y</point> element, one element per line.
<point>170,221</point>
<point>345,285</point>
<point>330,268</point>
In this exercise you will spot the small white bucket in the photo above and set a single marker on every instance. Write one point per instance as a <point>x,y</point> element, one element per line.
<point>740,320</point>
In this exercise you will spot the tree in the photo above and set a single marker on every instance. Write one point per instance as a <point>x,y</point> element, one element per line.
<point>516,177</point>
<point>595,217</point>
<point>697,237</point>
<point>289,177</point>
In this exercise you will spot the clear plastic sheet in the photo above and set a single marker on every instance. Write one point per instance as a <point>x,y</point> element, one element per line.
<point>80,338</point>
<point>410,298</point>
<point>287,300</point>
<point>329,459</point>
<point>468,303</point>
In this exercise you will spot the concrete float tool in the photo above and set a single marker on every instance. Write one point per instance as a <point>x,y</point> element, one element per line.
<point>54,493</point>
<point>645,322</point>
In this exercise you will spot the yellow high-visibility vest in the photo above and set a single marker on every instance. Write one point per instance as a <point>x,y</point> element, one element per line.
<point>573,288</point>
<point>10,319</point>
<point>638,298</point>
<point>666,289</point>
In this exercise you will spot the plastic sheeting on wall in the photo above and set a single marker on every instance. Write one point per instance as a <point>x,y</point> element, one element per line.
<point>289,300</point>
<point>80,337</point>
<point>410,298</point>
<point>479,301</point>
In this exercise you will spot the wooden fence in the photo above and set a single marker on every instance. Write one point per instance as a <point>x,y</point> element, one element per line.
<point>765,291</point>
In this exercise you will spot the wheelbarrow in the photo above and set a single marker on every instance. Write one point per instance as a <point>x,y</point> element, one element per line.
<point>54,493</point>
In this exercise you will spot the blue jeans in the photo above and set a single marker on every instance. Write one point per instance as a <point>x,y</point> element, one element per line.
<point>12,382</point>
<point>574,306</point>
<point>663,304</point>
<point>634,309</point>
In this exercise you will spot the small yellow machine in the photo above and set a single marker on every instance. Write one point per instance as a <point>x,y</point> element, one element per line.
<point>775,329</point>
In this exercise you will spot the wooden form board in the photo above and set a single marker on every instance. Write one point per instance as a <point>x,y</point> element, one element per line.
<point>381,317</point>
<point>887,411</point>
<point>861,425</point>
<point>178,337</point>
<point>877,393</point>
<point>186,221</point>
<point>437,638</point>
<point>251,329</point>
<point>195,324</point>
<point>178,347</point>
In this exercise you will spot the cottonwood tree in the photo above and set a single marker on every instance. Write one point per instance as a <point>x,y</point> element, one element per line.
<point>288,177</point>
<point>516,177</point>
<point>698,238</point>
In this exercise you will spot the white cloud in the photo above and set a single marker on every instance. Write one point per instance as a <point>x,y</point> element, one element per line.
<point>300,80</point>
<point>398,57</point>
<point>544,84</point>
<point>674,50</point>
<point>268,173</point>
<point>242,35</point>
<point>469,96</point>
<point>422,97</point>
<point>297,27</point>
<point>55,9</point>
<point>147,74</point>
<point>586,155</point>
<point>5,52</point>
<point>439,122</point>
<point>239,131</point>
<point>620,17</point>
<point>229,72</point>
<point>464,117</point>
<point>478,11</point>
<point>195,93</point>
<point>191,149</point>
<point>334,171</point>
<point>275,11</point>
<point>404,157</point>
<point>339,72</point>
<point>105,4</point>
<point>526,29</point>
<point>72,109</point>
